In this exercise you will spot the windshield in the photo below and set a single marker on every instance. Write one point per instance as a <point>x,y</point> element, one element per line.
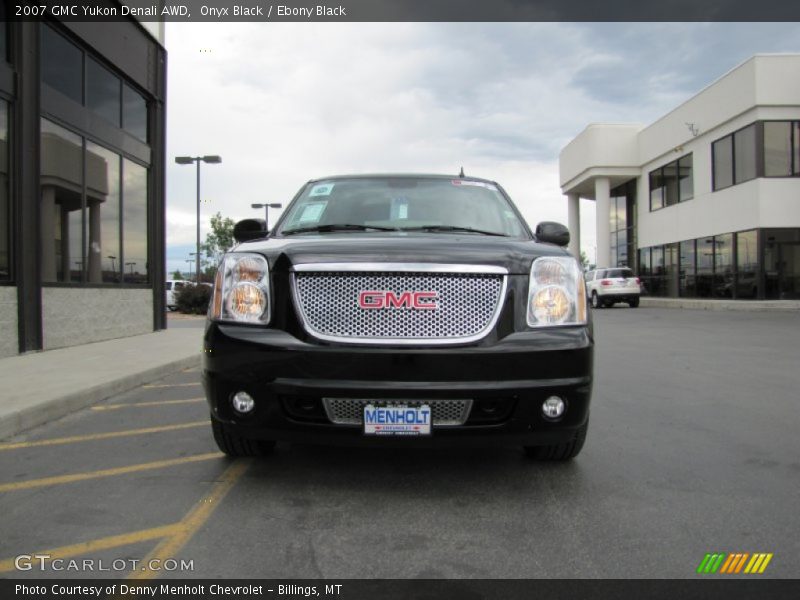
<point>403,203</point>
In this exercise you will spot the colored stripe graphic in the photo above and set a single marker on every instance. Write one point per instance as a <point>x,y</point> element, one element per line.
<point>733,563</point>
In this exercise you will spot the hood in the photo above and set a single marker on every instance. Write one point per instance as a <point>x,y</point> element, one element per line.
<point>514,255</point>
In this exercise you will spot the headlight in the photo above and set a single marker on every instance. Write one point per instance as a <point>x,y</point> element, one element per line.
<point>557,293</point>
<point>241,289</point>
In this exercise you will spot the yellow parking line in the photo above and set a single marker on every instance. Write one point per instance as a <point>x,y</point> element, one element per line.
<point>166,385</point>
<point>140,404</point>
<point>159,464</point>
<point>100,436</point>
<point>193,520</point>
<point>100,544</point>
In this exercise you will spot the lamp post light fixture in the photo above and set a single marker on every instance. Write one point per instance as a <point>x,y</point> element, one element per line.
<point>266,208</point>
<point>187,160</point>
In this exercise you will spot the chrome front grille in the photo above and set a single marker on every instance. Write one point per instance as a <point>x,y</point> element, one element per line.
<point>468,304</point>
<point>350,411</point>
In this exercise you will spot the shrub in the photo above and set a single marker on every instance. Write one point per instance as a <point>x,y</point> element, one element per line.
<point>193,299</point>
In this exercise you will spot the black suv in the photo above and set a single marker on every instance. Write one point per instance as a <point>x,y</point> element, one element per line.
<point>399,309</point>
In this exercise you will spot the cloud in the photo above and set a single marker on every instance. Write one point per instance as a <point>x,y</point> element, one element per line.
<point>283,103</point>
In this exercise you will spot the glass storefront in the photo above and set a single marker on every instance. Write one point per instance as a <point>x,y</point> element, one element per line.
<point>726,266</point>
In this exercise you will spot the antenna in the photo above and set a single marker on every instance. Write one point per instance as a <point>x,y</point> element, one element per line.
<point>461,173</point>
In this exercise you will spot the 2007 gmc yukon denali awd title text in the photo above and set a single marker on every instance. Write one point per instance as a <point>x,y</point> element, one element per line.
<point>400,309</point>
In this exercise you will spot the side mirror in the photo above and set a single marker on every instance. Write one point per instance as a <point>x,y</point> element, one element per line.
<point>551,232</point>
<point>249,229</point>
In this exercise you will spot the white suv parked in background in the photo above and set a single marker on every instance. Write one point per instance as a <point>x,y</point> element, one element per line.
<point>171,288</point>
<point>608,286</point>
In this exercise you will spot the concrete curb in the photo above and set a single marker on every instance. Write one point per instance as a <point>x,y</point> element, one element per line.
<point>38,414</point>
<point>738,305</point>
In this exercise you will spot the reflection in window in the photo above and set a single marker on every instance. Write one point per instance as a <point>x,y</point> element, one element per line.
<point>744,159</point>
<point>656,190</point>
<point>671,183</point>
<point>747,264</point>
<point>61,64</point>
<point>687,279</point>
<point>61,208</point>
<point>705,267</point>
<point>5,216</point>
<point>777,148</point>
<point>102,204</point>
<point>102,91</point>
<point>134,112</point>
<point>723,162</point>
<point>686,179</point>
<point>723,265</point>
<point>134,233</point>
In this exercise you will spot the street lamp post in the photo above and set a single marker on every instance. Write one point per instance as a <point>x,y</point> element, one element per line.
<point>131,265</point>
<point>113,266</point>
<point>187,160</point>
<point>190,262</point>
<point>266,208</point>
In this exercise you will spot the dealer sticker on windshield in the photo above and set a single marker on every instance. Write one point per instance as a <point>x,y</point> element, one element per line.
<point>397,420</point>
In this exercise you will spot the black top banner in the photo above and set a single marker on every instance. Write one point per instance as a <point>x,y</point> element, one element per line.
<point>227,11</point>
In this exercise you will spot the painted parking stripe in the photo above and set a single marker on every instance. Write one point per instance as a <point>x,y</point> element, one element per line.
<point>100,436</point>
<point>193,520</point>
<point>169,385</point>
<point>104,407</point>
<point>61,479</point>
<point>106,543</point>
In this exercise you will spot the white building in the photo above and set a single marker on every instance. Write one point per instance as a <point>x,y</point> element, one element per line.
<point>706,200</point>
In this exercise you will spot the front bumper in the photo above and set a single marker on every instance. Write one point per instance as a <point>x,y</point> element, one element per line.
<point>507,379</point>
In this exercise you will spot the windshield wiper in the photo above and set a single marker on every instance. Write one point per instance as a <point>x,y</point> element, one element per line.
<point>452,228</point>
<point>337,227</point>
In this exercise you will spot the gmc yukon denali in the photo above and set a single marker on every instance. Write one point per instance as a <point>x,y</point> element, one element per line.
<point>411,310</point>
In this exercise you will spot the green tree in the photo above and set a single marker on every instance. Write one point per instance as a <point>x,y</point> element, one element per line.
<point>218,241</point>
<point>584,259</point>
<point>177,275</point>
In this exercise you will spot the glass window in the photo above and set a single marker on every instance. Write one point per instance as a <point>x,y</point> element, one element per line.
<point>686,178</point>
<point>62,203</point>
<point>747,264</point>
<point>5,215</point>
<point>722,151</point>
<point>644,262</point>
<point>744,146</point>
<point>134,112</point>
<point>61,64</point>
<point>777,148</point>
<point>134,224</point>
<point>656,190</point>
<point>796,148</point>
<point>670,174</point>
<point>723,265</point>
<point>102,204</point>
<point>622,248</point>
<point>657,270</point>
<point>687,279</point>
<point>102,91</point>
<point>705,267</point>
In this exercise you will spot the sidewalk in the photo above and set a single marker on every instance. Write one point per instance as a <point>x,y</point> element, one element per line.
<point>722,304</point>
<point>43,386</point>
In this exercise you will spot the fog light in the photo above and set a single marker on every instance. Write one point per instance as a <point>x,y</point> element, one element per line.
<point>242,402</point>
<point>553,407</point>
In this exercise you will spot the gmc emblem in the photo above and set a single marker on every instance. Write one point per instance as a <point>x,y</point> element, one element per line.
<point>382,299</point>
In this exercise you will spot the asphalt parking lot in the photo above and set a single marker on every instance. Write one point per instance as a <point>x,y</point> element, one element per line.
<point>692,448</point>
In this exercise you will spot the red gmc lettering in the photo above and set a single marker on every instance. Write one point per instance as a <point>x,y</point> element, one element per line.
<point>384,299</point>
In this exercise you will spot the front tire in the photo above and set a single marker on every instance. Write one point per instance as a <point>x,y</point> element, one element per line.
<point>560,452</point>
<point>633,303</point>
<point>234,445</point>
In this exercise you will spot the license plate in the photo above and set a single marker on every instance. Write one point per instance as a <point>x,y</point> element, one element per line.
<point>397,420</point>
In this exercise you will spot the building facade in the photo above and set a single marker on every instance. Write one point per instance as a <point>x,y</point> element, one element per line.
<point>81,182</point>
<point>705,202</point>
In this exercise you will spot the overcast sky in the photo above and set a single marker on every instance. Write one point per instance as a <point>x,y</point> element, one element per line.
<point>284,103</point>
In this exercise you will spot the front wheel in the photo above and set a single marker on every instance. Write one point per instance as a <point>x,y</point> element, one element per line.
<point>235,445</point>
<point>633,303</point>
<point>563,451</point>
